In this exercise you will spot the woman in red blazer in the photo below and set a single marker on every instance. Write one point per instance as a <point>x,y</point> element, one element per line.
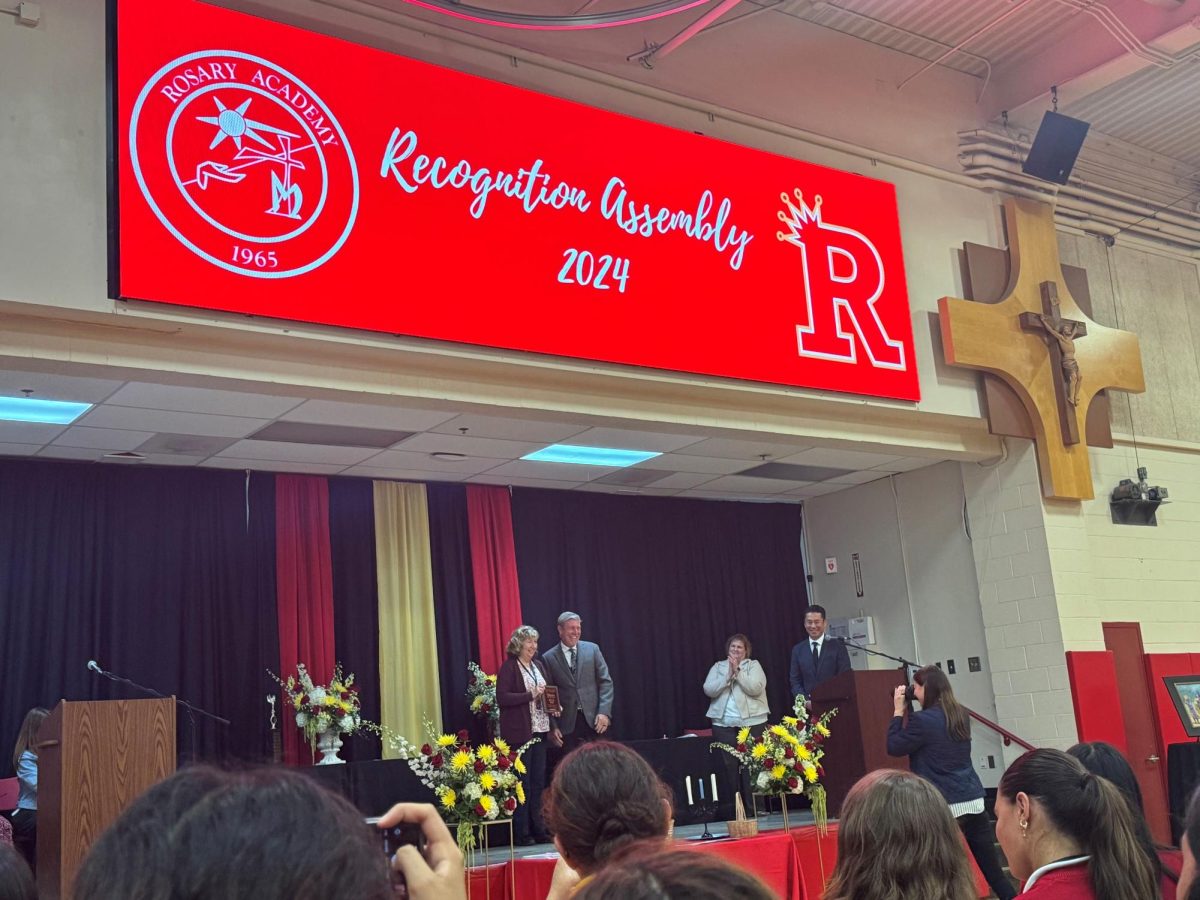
<point>520,693</point>
<point>1069,834</point>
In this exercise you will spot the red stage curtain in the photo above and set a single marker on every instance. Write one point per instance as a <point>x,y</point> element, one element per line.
<point>494,566</point>
<point>304,590</point>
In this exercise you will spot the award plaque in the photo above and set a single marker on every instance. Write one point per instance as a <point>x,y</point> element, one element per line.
<point>553,705</point>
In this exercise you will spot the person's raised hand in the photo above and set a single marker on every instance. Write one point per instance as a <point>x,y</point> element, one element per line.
<point>439,873</point>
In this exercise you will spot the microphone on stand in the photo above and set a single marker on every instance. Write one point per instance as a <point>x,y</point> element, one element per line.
<point>94,667</point>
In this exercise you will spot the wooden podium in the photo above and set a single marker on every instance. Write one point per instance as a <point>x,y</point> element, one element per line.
<point>858,744</point>
<point>94,759</point>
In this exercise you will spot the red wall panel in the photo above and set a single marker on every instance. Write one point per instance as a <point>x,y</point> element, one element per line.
<point>1094,694</point>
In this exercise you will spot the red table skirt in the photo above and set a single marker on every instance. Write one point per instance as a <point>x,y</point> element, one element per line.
<point>795,866</point>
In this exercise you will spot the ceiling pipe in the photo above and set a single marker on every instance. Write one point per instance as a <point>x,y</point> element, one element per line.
<point>687,34</point>
<point>958,47</point>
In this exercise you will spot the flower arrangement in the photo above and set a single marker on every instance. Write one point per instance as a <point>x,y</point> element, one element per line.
<point>473,785</point>
<point>333,707</point>
<point>786,758</point>
<point>481,695</point>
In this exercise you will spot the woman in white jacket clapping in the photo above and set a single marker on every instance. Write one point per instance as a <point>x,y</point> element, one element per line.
<point>737,687</point>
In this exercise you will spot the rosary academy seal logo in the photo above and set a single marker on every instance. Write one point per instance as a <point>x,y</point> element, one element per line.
<point>244,164</point>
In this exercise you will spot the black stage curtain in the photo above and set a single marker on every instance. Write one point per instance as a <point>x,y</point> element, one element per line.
<point>355,599</point>
<point>660,583</point>
<point>155,574</point>
<point>454,596</point>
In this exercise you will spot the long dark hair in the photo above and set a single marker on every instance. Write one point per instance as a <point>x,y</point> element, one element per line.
<point>1091,811</point>
<point>604,797</point>
<point>1191,833</point>
<point>652,873</point>
<point>27,736</point>
<point>939,693</point>
<point>16,881</point>
<point>1106,761</point>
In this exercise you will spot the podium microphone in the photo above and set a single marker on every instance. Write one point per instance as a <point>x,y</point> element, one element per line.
<point>94,667</point>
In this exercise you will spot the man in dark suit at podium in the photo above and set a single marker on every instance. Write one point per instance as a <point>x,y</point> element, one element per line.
<point>818,658</point>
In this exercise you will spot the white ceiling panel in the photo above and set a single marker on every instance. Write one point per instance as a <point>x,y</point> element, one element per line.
<point>682,480</point>
<point>747,484</point>
<point>817,490</point>
<point>752,451</point>
<point>837,458</point>
<point>628,439</point>
<point>203,400</point>
<point>907,464</point>
<point>860,477</point>
<point>28,432</point>
<point>487,448</point>
<point>19,449</point>
<point>57,387</point>
<point>739,498</point>
<point>423,462</point>
<point>299,453</point>
<point>516,481</point>
<point>366,415</point>
<point>510,429</point>
<point>102,438</point>
<point>596,487</point>
<point>268,465</point>
<point>376,473</point>
<point>53,452</point>
<point>523,468</point>
<point>169,459</point>
<point>167,420</point>
<point>702,465</point>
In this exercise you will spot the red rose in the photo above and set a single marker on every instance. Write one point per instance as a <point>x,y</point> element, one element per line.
<point>512,757</point>
<point>485,709</point>
<point>769,762</point>
<point>758,740</point>
<point>510,804</point>
<point>793,783</point>
<point>426,750</point>
<point>436,762</point>
<point>789,753</point>
<point>503,762</point>
<point>741,748</point>
<point>821,771</point>
<point>480,765</point>
<point>479,810</point>
<point>463,737</point>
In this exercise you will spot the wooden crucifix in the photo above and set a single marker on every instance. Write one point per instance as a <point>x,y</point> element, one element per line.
<point>1030,339</point>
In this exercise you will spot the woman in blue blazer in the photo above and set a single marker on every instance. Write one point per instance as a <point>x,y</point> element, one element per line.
<point>937,742</point>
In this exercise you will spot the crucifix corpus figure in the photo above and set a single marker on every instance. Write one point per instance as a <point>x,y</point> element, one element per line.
<point>1064,331</point>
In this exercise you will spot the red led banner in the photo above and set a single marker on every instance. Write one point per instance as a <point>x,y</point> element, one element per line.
<point>272,171</point>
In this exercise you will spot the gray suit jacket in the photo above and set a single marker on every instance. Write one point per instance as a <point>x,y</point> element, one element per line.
<point>589,689</point>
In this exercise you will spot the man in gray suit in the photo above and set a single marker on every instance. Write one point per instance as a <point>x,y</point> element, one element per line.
<point>585,689</point>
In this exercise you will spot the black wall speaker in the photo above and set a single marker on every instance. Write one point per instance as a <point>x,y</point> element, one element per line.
<point>1055,147</point>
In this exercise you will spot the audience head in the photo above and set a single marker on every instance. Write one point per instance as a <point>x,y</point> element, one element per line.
<point>1049,806</point>
<point>745,641</point>
<point>16,881</point>
<point>519,637</point>
<point>604,797</point>
<point>208,835</point>
<point>898,840</point>
<point>652,873</point>
<point>1108,762</point>
<point>27,735</point>
<point>1189,875</point>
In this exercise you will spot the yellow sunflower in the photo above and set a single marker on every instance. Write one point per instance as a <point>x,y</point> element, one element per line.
<point>759,751</point>
<point>446,740</point>
<point>487,781</point>
<point>520,792</point>
<point>502,746</point>
<point>449,798</point>
<point>460,760</point>
<point>519,766</point>
<point>778,772</point>
<point>487,753</point>
<point>743,735</point>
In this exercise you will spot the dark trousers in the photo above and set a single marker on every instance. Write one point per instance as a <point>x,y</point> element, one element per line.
<point>981,838</point>
<point>24,828</point>
<point>736,777</point>
<point>527,820</point>
<point>582,734</point>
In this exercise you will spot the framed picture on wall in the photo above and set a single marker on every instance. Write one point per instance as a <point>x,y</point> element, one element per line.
<point>1185,691</point>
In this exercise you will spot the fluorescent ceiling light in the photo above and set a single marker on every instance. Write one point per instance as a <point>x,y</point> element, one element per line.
<point>590,456</point>
<point>48,412</point>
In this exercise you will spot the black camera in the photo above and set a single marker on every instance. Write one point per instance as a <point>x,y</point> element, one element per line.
<point>397,836</point>
<point>910,693</point>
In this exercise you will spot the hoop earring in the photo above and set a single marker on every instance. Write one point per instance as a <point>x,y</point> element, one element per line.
<point>1024,823</point>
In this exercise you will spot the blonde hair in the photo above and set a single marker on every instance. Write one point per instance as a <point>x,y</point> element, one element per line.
<point>27,736</point>
<point>520,636</point>
<point>897,840</point>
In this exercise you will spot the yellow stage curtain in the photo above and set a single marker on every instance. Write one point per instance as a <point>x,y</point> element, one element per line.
<point>408,659</point>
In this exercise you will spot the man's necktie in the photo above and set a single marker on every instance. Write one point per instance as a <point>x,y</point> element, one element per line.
<point>571,651</point>
<point>816,655</point>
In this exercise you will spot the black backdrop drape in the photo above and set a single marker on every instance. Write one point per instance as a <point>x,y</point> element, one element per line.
<point>154,573</point>
<point>660,583</point>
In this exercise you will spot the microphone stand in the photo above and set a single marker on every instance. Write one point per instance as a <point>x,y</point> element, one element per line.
<point>906,663</point>
<point>191,709</point>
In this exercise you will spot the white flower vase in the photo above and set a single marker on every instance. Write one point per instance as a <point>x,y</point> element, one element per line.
<point>329,743</point>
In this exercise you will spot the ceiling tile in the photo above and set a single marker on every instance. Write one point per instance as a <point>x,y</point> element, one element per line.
<point>599,487</point>
<point>907,464</point>
<point>747,484</point>
<point>682,480</point>
<point>53,452</point>
<point>366,415</point>
<point>629,439</point>
<point>509,429</point>
<point>169,459</point>
<point>203,400</point>
<point>423,462</point>
<point>19,449</point>
<point>386,474</point>
<point>269,465</point>
<point>102,438</point>
<point>329,435</point>
<point>752,451</point>
<point>837,458</point>
<point>297,453</point>
<point>523,468</point>
<point>196,445</point>
<point>155,420</point>
<point>57,387</point>
<point>816,490</point>
<point>28,432</point>
<point>861,477</point>
<point>702,465</point>
<point>737,498</point>
<point>487,448</point>
<point>516,481</point>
